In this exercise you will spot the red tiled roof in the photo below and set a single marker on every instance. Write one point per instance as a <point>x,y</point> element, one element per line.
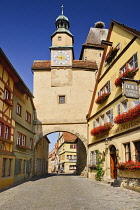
<point>46,64</point>
<point>69,137</point>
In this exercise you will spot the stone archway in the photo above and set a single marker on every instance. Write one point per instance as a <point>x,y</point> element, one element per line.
<point>44,130</point>
<point>79,130</point>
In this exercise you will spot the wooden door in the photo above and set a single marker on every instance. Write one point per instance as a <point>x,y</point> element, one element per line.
<point>113,170</point>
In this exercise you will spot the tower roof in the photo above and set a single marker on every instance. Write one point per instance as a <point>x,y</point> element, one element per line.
<point>62,24</point>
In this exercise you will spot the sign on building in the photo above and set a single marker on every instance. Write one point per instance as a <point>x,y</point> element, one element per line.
<point>131,90</point>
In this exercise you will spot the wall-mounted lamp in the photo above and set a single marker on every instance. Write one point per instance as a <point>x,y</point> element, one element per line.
<point>117,152</point>
<point>107,141</point>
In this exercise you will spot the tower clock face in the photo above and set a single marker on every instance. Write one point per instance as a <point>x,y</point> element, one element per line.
<point>61,57</point>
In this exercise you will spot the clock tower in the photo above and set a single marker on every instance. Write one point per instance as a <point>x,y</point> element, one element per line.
<point>62,43</point>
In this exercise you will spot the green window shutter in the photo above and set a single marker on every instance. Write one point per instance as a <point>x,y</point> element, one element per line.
<point>27,166</point>
<point>17,166</point>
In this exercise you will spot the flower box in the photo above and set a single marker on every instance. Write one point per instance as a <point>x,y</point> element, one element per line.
<point>129,174</point>
<point>102,98</point>
<point>100,129</point>
<point>129,73</point>
<point>111,54</point>
<point>132,113</point>
<point>92,168</point>
<point>129,169</point>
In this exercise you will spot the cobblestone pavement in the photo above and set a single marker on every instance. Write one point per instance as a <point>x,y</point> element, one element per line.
<point>67,192</point>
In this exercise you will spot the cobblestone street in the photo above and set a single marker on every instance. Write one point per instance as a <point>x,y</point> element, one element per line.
<point>67,192</point>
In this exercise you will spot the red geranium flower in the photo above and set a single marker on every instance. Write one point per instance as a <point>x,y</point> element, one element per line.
<point>100,129</point>
<point>102,97</point>
<point>126,116</point>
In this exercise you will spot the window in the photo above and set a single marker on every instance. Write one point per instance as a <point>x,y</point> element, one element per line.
<point>1,129</point>
<point>94,124</point>
<point>69,157</point>
<point>102,120</point>
<point>6,94</point>
<point>31,144</point>
<point>61,99</point>
<point>93,158</point>
<point>19,109</point>
<point>72,167</point>
<point>59,38</point>
<point>9,166</point>
<point>110,116</point>
<point>97,122</point>
<point>75,157</point>
<point>4,167</point>
<point>105,89</point>
<point>21,139</point>
<point>135,103</point>
<point>127,152</point>
<point>125,106</point>
<point>119,109</point>
<point>28,117</point>
<point>6,132</point>
<point>137,151</point>
<point>132,63</point>
<point>20,166</point>
<point>73,146</point>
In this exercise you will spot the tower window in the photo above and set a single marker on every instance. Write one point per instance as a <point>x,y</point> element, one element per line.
<point>62,99</point>
<point>59,38</point>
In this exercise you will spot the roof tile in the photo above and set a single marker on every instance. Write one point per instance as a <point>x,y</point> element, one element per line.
<point>46,64</point>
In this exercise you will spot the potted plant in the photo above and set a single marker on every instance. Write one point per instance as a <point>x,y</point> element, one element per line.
<point>100,129</point>
<point>129,165</point>
<point>132,113</point>
<point>129,73</point>
<point>102,98</point>
<point>111,54</point>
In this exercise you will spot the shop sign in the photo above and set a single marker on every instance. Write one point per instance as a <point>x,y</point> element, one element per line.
<point>131,90</point>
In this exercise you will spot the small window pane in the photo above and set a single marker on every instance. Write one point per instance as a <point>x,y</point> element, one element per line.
<point>61,99</point>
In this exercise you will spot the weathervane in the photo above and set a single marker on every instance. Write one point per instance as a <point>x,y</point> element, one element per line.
<point>62,9</point>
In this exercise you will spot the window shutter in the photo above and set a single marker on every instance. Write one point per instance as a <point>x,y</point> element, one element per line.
<point>111,116</point>
<point>136,60</point>
<point>108,86</point>
<point>119,109</point>
<point>94,124</point>
<point>27,166</point>
<point>17,166</point>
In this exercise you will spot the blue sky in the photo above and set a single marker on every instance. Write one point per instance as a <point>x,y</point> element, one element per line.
<point>26,26</point>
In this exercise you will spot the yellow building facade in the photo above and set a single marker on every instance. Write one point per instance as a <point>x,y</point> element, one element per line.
<point>7,124</point>
<point>67,152</point>
<point>117,138</point>
<point>41,156</point>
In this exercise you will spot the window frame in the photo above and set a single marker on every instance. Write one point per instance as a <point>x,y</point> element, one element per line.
<point>133,59</point>
<point>7,94</point>
<point>19,109</point>
<point>62,99</point>
<point>105,89</point>
<point>28,117</point>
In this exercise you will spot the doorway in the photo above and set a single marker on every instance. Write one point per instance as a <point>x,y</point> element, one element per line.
<point>113,162</point>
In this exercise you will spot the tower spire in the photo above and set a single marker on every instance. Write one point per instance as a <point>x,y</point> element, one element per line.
<point>62,9</point>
